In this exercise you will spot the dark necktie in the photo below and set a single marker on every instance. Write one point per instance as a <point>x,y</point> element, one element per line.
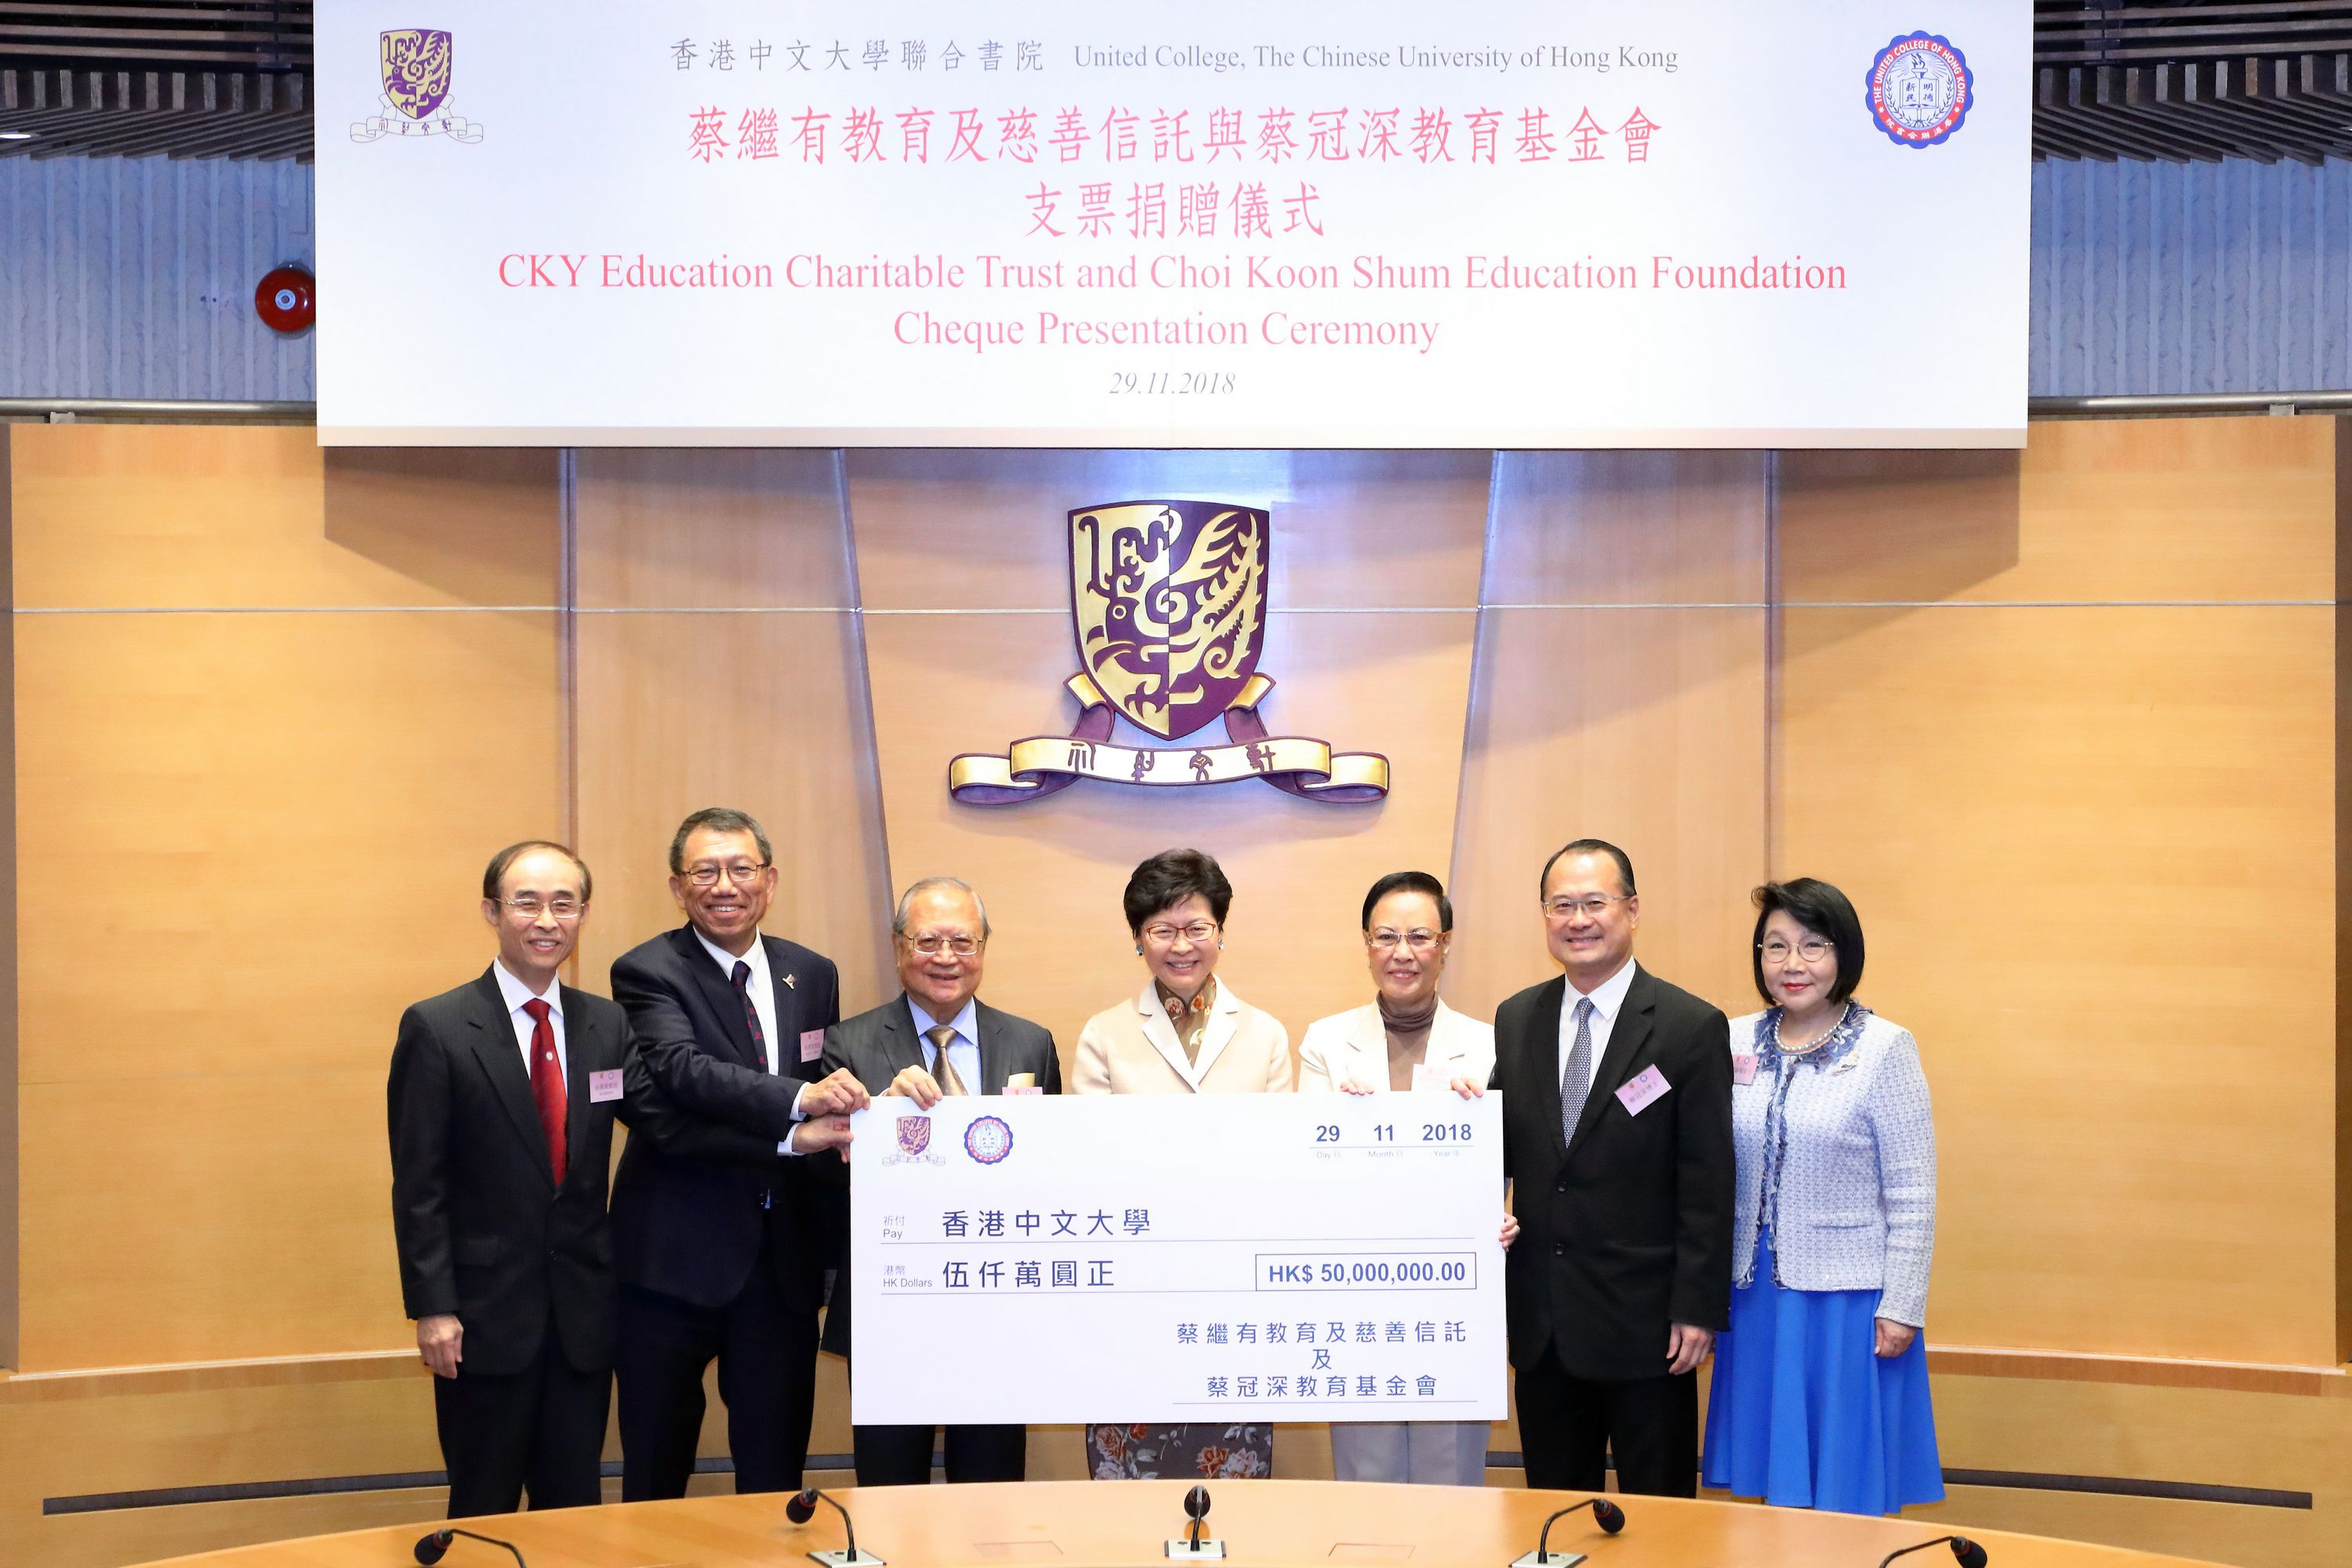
<point>943,1072</point>
<point>547,1085</point>
<point>751,1015</point>
<point>1576,1080</point>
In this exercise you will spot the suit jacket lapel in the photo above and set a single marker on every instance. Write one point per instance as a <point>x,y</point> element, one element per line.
<point>720,992</point>
<point>785,984</point>
<point>492,1037</point>
<point>1627,1037</point>
<point>1544,1047</point>
<point>584,1049</point>
<point>901,1047</point>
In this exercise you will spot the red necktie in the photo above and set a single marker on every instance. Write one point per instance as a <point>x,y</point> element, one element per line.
<point>547,1084</point>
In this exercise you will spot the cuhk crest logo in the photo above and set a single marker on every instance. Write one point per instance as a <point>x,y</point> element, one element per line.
<point>1919,89</point>
<point>914,1134</point>
<point>416,68</point>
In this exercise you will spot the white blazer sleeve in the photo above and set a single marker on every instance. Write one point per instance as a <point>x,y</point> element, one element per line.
<point>1315,1075</point>
<point>1904,1131</point>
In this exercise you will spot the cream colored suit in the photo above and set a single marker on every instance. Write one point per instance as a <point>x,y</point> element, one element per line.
<point>1355,1044</point>
<point>1131,1049</point>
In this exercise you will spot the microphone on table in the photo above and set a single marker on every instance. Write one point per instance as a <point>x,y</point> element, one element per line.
<point>1607,1514</point>
<point>1191,1547</point>
<point>430,1548</point>
<point>1968,1552</point>
<point>803,1507</point>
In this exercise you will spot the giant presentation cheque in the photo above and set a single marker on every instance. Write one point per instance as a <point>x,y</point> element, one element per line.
<point>1179,1258</point>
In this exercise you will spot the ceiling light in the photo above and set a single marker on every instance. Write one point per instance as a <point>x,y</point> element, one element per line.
<point>18,135</point>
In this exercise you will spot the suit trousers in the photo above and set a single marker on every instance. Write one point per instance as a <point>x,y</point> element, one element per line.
<point>1434,1453</point>
<point>541,1429</point>
<point>766,1352</point>
<point>1649,1425</point>
<point>901,1455</point>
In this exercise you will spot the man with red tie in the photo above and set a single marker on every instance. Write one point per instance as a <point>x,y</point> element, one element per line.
<point>500,1104</point>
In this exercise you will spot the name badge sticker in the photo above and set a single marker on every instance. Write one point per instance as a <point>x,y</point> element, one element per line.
<point>603,1085</point>
<point>811,1043</point>
<point>1641,1090</point>
<point>1743,1066</point>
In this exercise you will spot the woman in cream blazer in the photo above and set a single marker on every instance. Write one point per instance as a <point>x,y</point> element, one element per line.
<point>1406,1039</point>
<point>1185,1033</point>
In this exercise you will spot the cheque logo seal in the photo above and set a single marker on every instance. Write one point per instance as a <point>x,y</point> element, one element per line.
<point>1919,89</point>
<point>914,1134</point>
<point>417,67</point>
<point>988,1139</point>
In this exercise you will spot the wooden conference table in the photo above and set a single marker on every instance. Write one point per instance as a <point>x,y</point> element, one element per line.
<point>1075,1524</point>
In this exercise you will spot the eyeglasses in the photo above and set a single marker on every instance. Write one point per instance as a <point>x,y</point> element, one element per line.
<point>1388,940</point>
<point>561,908</point>
<point>1165,936</point>
<point>1813,949</point>
<point>1592,906</point>
<point>932,946</point>
<point>743,874</point>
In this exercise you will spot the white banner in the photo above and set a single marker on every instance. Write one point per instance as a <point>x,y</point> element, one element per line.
<point>1181,1257</point>
<point>1499,223</point>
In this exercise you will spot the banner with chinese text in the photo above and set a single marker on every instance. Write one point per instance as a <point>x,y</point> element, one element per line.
<point>1672,223</point>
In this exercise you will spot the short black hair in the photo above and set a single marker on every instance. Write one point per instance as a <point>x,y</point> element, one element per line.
<point>1410,882</point>
<point>1588,847</point>
<point>718,819</point>
<point>494,877</point>
<point>1821,909</point>
<point>1169,878</point>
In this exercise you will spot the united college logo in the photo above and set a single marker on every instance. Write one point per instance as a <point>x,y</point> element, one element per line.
<point>1919,89</point>
<point>415,65</point>
<point>1169,598</point>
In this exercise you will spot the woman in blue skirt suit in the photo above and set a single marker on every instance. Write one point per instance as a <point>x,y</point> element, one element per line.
<point>1819,1397</point>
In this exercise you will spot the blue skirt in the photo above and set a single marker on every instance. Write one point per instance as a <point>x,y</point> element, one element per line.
<point>1802,1414</point>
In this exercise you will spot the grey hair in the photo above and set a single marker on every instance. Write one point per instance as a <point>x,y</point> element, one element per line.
<point>930,884</point>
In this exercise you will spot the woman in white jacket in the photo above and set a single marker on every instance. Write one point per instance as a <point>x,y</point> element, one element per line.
<point>1819,1397</point>
<point>1404,1039</point>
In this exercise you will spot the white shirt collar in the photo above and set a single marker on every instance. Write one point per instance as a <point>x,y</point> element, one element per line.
<point>1608,996</point>
<point>757,958</point>
<point>966,1023</point>
<point>516,993</point>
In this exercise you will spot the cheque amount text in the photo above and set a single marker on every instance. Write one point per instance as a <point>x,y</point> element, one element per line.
<point>1367,1271</point>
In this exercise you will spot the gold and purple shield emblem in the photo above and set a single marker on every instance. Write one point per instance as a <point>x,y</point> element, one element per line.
<point>415,64</point>
<point>1169,601</point>
<point>914,1134</point>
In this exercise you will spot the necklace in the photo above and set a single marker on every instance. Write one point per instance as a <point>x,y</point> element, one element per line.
<point>1816,1042</point>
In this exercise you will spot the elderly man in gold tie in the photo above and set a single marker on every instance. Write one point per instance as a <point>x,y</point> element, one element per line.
<point>934,1039</point>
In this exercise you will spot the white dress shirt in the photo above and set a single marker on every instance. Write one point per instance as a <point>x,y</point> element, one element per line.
<point>763,990</point>
<point>516,993</point>
<point>1608,1001</point>
<point>963,1051</point>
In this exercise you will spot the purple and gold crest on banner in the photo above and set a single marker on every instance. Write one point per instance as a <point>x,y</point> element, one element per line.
<point>1168,603</point>
<point>417,67</point>
<point>914,1134</point>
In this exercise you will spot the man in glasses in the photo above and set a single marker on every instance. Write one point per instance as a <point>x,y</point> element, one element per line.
<point>935,1039</point>
<point>501,1106</point>
<point>1617,1139</point>
<point>724,1256</point>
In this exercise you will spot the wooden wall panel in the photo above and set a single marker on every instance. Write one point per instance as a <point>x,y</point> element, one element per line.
<point>305,795</point>
<point>719,664</point>
<point>969,664</point>
<point>2092,842</point>
<point>1620,695</point>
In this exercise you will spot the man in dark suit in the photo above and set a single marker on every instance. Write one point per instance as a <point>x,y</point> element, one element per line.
<point>1617,1139</point>
<point>501,1106</point>
<point>724,1256</point>
<point>937,1039</point>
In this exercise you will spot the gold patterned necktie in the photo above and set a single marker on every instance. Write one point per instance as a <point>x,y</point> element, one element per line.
<point>943,1071</point>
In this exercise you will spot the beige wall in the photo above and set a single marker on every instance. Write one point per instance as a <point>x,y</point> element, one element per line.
<point>2063,723</point>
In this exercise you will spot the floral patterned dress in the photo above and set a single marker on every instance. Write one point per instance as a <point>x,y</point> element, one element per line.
<point>1188,1451</point>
